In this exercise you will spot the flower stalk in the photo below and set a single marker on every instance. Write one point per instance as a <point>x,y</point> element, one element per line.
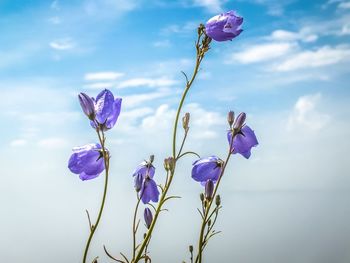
<point>202,46</point>
<point>106,158</point>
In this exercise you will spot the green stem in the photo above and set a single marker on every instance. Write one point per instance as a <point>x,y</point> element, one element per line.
<point>133,228</point>
<point>145,242</point>
<point>106,162</point>
<point>205,216</point>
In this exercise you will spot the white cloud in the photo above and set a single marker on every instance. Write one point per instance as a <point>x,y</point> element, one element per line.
<point>306,115</point>
<point>55,20</point>
<point>323,56</point>
<point>63,44</point>
<point>137,99</point>
<point>213,6</point>
<point>103,75</point>
<point>53,143</point>
<point>109,8</point>
<point>100,85</point>
<point>148,82</point>
<point>18,143</point>
<point>186,28</point>
<point>263,52</point>
<point>162,43</point>
<point>344,5</point>
<point>304,35</point>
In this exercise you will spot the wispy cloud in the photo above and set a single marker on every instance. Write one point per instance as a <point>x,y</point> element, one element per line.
<point>137,99</point>
<point>63,44</point>
<point>53,143</point>
<point>263,52</point>
<point>162,43</point>
<point>103,75</point>
<point>18,143</point>
<point>323,56</point>
<point>147,82</point>
<point>212,6</point>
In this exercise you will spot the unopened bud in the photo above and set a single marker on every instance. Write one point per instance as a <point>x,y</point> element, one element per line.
<point>148,217</point>
<point>230,117</point>
<point>190,248</point>
<point>239,121</point>
<point>209,222</point>
<point>151,158</point>
<point>185,121</point>
<point>201,196</point>
<point>88,106</point>
<point>217,200</point>
<point>95,261</point>
<point>169,164</point>
<point>209,189</point>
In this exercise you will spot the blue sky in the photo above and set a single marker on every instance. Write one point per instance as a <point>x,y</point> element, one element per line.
<point>289,70</point>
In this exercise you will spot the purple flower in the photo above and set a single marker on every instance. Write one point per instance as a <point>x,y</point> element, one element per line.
<point>149,191</point>
<point>87,161</point>
<point>224,27</point>
<point>147,215</point>
<point>146,169</point>
<point>208,168</point>
<point>138,182</point>
<point>243,141</point>
<point>107,110</point>
<point>87,104</point>
<point>209,189</point>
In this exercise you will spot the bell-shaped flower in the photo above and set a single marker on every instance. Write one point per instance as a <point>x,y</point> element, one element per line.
<point>107,109</point>
<point>208,168</point>
<point>149,191</point>
<point>146,169</point>
<point>87,161</point>
<point>224,27</point>
<point>243,141</point>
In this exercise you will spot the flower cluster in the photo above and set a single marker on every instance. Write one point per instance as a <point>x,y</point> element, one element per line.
<point>90,160</point>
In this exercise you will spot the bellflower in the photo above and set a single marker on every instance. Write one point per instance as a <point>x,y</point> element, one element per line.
<point>149,190</point>
<point>87,161</point>
<point>224,27</point>
<point>146,169</point>
<point>243,141</point>
<point>208,168</point>
<point>107,109</point>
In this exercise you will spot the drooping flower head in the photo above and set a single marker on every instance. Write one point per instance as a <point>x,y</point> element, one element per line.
<point>149,190</point>
<point>224,27</point>
<point>243,141</point>
<point>208,168</point>
<point>87,161</point>
<point>103,111</point>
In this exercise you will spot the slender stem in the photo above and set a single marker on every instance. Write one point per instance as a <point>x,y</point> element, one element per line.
<point>145,242</point>
<point>101,138</point>
<point>134,228</point>
<point>204,222</point>
<point>182,144</point>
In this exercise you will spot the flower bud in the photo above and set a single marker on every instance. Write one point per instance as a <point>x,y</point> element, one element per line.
<point>239,121</point>
<point>148,217</point>
<point>95,261</point>
<point>190,248</point>
<point>138,182</point>
<point>87,104</point>
<point>185,121</point>
<point>217,200</point>
<point>201,196</point>
<point>230,117</point>
<point>151,158</point>
<point>169,164</point>
<point>209,189</point>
